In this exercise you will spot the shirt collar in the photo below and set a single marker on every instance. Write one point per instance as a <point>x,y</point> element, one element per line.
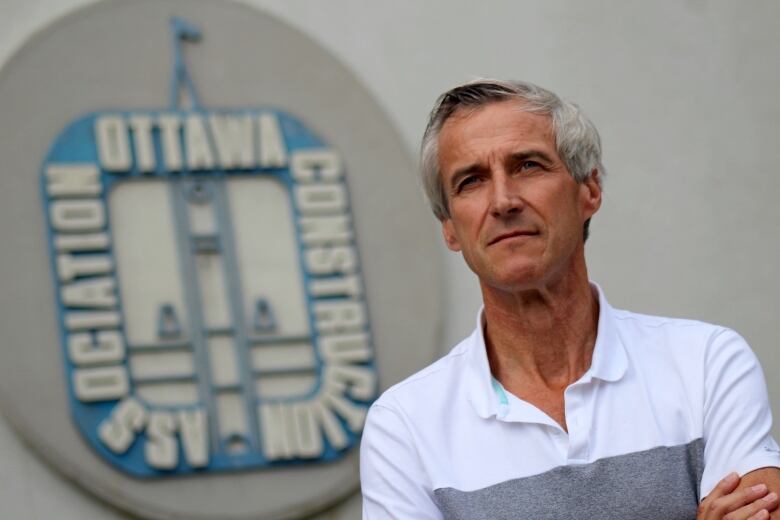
<point>481,391</point>
<point>609,362</point>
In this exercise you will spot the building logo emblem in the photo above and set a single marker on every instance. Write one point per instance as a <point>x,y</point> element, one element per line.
<point>215,255</point>
<point>208,286</point>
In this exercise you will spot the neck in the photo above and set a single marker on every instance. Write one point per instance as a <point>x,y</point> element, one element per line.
<point>542,337</point>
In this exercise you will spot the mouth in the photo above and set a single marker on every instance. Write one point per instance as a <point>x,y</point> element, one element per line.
<point>512,234</point>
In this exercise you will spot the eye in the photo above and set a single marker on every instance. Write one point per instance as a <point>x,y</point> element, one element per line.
<point>467,182</point>
<point>529,165</point>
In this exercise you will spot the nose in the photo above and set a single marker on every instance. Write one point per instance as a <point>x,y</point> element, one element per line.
<point>506,201</point>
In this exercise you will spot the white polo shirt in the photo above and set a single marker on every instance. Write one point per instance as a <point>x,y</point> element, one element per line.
<point>667,409</point>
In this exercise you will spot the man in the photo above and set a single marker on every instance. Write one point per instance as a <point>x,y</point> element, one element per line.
<point>558,406</point>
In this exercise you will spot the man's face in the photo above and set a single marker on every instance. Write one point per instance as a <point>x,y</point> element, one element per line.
<point>515,211</point>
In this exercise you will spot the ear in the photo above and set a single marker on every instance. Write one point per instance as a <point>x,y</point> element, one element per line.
<point>590,194</point>
<point>450,238</point>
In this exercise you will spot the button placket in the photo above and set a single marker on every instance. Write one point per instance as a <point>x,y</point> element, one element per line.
<point>561,441</point>
<point>577,423</point>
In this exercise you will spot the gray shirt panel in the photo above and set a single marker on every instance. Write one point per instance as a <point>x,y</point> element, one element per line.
<point>657,484</point>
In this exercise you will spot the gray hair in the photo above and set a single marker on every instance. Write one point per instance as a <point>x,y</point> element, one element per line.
<point>576,138</point>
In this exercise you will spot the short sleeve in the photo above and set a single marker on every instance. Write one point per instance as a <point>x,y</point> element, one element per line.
<point>392,479</point>
<point>737,417</point>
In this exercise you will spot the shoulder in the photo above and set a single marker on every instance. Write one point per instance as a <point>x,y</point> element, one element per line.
<point>663,323</point>
<point>704,355</point>
<point>670,335</point>
<point>432,386</point>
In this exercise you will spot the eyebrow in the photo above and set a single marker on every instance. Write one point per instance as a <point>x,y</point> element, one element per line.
<point>513,158</point>
<point>530,154</point>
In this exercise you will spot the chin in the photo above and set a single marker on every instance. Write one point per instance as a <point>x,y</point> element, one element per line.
<point>518,278</point>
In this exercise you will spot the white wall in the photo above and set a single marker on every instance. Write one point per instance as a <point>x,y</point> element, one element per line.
<point>685,94</point>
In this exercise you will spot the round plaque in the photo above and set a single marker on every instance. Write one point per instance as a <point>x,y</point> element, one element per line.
<point>215,256</point>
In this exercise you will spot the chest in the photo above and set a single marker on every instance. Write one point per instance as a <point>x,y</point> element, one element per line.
<point>658,483</point>
<point>523,440</point>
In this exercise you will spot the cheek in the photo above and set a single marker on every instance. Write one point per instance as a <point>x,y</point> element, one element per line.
<point>562,221</point>
<point>466,219</point>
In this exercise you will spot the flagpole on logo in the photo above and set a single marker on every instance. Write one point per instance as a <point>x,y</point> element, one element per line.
<point>207,191</point>
<point>181,84</point>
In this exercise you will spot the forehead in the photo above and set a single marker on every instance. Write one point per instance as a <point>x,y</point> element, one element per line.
<point>476,134</point>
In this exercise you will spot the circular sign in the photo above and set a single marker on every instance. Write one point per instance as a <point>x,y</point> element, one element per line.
<point>215,257</point>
